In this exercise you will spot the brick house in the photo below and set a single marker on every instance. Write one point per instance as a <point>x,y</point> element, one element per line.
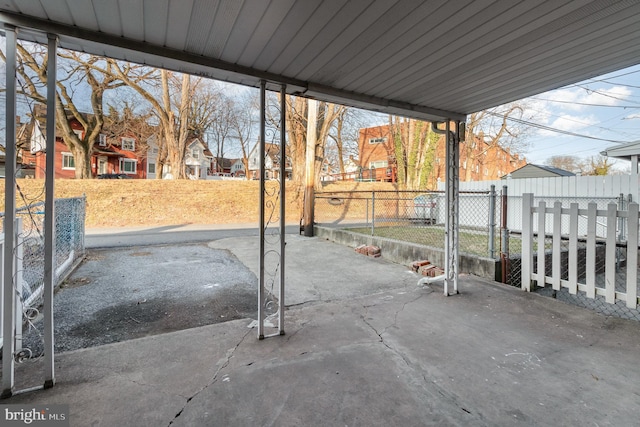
<point>479,161</point>
<point>111,154</point>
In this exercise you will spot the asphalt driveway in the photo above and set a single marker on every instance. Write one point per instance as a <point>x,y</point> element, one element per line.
<point>126,293</point>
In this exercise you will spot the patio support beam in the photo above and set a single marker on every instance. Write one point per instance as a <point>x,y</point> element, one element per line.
<point>8,326</point>
<point>283,199</point>
<point>452,191</point>
<point>261,154</point>
<point>50,214</point>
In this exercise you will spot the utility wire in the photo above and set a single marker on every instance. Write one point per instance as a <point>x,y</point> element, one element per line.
<point>587,104</point>
<point>551,129</point>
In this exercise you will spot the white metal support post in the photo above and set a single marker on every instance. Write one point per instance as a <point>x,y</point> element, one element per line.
<point>283,201</point>
<point>261,153</point>
<point>49,217</point>
<point>8,335</point>
<point>452,204</point>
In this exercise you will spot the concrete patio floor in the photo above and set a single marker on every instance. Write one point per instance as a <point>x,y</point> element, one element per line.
<point>387,353</point>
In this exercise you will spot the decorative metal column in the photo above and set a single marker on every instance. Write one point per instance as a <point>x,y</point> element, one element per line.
<point>8,276</point>
<point>452,191</point>
<point>271,291</point>
<point>261,153</point>
<point>50,214</point>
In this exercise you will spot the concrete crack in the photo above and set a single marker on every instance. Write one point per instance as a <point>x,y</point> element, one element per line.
<point>214,379</point>
<point>452,398</point>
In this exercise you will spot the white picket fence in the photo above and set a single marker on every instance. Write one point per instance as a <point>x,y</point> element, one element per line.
<point>592,284</point>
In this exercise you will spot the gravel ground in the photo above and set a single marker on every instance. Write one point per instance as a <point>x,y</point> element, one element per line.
<point>120,294</point>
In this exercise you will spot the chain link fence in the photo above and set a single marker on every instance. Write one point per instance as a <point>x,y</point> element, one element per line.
<point>490,226</point>
<point>69,245</point>
<point>413,216</point>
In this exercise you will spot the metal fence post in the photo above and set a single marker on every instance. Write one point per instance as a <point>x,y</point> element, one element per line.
<point>373,212</point>
<point>366,203</point>
<point>492,221</point>
<point>504,235</point>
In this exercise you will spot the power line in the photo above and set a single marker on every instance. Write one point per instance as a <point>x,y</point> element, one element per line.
<point>551,129</point>
<point>587,104</point>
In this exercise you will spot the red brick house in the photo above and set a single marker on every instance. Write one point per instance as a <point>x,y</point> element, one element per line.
<point>479,161</point>
<point>121,154</point>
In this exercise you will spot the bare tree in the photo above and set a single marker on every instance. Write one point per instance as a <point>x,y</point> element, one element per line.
<point>493,128</point>
<point>171,109</point>
<point>76,69</point>
<point>297,133</point>
<point>344,136</point>
<point>223,127</point>
<point>414,145</point>
<point>599,165</point>
<point>569,163</point>
<point>243,125</point>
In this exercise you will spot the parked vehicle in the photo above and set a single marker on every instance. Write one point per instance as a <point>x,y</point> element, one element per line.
<point>426,208</point>
<point>114,176</point>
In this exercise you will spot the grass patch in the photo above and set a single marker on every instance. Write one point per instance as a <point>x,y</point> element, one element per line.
<point>471,242</point>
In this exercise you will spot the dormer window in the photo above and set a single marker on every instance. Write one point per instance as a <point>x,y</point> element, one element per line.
<point>128,144</point>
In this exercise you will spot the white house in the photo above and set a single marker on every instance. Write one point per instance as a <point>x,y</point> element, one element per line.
<point>198,160</point>
<point>271,164</point>
<point>629,152</point>
<point>237,168</point>
<point>152,158</point>
<point>350,165</point>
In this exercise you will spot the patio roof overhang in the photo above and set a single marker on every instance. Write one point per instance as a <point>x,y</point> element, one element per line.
<point>431,60</point>
<point>434,60</point>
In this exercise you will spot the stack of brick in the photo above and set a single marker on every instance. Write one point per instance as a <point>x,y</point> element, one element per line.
<point>369,250</point>
<point>425,268</point>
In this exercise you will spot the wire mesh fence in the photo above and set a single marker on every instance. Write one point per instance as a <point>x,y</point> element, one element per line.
<point>490,225</point>
<point>69,245</point>
<point>413,216</point>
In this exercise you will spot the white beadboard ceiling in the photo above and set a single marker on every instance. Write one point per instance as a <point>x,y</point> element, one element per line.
<point>430,59</point>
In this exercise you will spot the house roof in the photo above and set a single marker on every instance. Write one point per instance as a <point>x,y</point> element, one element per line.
<point>432,59</point>
<point>623,151</point>
<point>549,169</point>
<point>224,162</point>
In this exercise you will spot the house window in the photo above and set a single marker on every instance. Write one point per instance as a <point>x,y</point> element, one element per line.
<point>378,164</point>
<point>78,133</point>
<point>68,162</point>
<point>128,166</point>
<point>464,164</point>
<point>128,144</point>
<point>195,153</point>
<point>102,140</point>
<point>155,150</point>
<point>486,172</point>
<point>377,140</point>
<point>151,168</point>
